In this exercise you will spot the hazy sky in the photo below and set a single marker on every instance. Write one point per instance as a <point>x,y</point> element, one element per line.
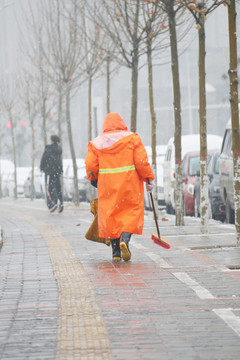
<point>12,25</point>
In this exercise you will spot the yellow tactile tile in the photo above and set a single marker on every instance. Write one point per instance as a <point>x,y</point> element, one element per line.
<point>81,330</point>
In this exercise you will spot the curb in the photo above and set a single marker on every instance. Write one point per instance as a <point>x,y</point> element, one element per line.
<point>1,237</point>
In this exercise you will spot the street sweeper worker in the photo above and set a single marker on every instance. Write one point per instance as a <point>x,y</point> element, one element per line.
<point>117,162</point>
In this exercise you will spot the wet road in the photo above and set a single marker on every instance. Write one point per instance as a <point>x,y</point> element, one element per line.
<point>61,297</point>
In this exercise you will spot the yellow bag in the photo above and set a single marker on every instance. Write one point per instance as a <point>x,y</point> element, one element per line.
<point>92,233</point>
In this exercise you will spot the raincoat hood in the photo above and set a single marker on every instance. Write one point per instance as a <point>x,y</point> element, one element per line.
<point>113,122</point>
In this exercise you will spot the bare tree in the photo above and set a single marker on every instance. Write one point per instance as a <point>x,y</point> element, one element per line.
<point>199,10</point>
<point>233,78</point>
<point>57,58</point>
<point>92,46</point>
<point>8,96</point>
<point>44,90</point>
<point>30,101</point>
<point>65,58</point>
<point>106,46</point>
<point>34,46</point>
<point>175,15</point>
<point>153,24</point>
<point>120,20</point>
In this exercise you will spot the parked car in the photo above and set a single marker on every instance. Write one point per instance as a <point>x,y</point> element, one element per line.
<point>160,154</point>
<point>22,174</point>
<point>4,183</point>
<point>66,187</point>
<point>6,168</point>
<point>189,143</point>
<point>39,184</point>
<point>83,183</point>
<point>190,167</point>
<point>226,174</point>
<point>216,205</point>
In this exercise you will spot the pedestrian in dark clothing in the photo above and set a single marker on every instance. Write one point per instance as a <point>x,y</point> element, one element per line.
<point>51,165</point>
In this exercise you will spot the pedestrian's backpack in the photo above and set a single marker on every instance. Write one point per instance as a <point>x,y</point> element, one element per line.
<point>52,163</point>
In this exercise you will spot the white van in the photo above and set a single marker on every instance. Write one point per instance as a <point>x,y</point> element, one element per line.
<point>189,143</point>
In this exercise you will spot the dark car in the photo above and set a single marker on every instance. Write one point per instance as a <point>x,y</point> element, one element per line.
<point>216,206</point>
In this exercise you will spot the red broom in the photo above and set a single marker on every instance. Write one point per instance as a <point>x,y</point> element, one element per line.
<point>157,237</point>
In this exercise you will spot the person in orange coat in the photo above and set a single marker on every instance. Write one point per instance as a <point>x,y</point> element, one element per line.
<point>117,162</point>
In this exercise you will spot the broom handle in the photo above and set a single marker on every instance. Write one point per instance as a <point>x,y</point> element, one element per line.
<point>154,211</point>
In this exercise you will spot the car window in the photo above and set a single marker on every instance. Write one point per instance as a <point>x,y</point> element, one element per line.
<point>168,154</point>
<point>194,165</point>
<point>216,166</point>
<point>227,143</point>
<point>184,168</point>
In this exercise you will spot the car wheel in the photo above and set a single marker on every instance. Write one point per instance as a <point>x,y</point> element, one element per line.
<point>196,211</point>
<point>222,218</point>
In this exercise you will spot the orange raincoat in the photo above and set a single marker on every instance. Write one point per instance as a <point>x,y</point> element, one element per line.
<point>118,160</point>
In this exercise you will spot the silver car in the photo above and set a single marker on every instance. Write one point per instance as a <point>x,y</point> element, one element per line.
<point>83,183</point>
<point>39,184</point>
<point>226,174</point>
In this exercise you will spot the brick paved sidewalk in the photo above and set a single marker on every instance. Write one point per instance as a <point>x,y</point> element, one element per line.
<point>61,297</point>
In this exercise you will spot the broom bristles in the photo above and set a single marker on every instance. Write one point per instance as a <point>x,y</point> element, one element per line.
<point>157,240</point>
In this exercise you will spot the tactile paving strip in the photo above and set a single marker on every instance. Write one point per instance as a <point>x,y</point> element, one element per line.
<point>81,333</point>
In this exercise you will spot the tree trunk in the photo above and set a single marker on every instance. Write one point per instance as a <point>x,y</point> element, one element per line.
<point>72,150</point>
<point>91,188</point>
<point>153,117</point>
<point>60,97</point>
<point>32,180</point>
<point>179,221</point>
<point>14,156</point>
<point>1,194</point>
<point>60,114</point>
<point>89,108</point>
<point>44,123</point>
<point>233,77</point>
<point>33,157</point>
<point>108,84</point>
<point>134,92</point>
<point>204,202</point>
<point>135,59</point>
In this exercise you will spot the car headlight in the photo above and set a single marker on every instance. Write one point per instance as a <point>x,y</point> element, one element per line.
<point>190,189</point>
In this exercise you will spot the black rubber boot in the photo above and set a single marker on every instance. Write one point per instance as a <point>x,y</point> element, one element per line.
<point>124,241</point>
<point>116,252</point>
